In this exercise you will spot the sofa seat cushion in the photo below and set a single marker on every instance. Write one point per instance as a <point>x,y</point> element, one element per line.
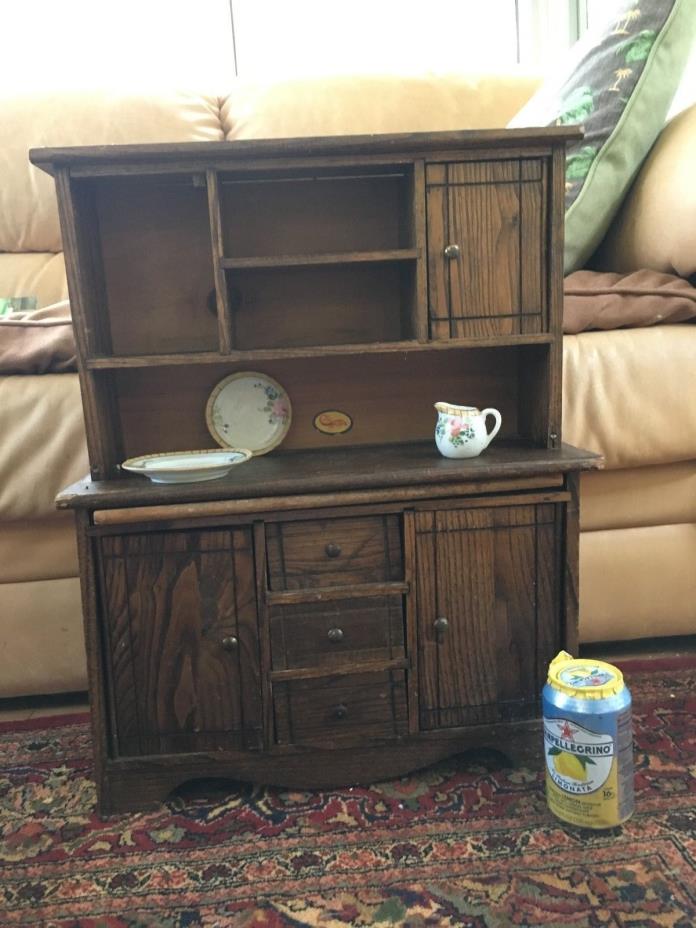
<point>629,394</point>
<point>595,300</point>
<point>640,496</point>
<point>43,442</point>
<point>638,582</point>
<point>362,105</point>
<point>38,549</point>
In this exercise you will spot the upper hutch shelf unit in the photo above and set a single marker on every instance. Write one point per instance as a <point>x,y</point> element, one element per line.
<point>300,255</point>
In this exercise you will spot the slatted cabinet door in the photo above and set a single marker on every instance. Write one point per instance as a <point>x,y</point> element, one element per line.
<point>487,606</point>
<point>180,611</point>
<point>487,248</point>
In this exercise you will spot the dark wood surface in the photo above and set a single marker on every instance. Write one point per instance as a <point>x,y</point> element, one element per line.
<point>388,466</point>
<point>334,552</point>
<point>142,783</point>
<point>492,214</point>
<point>294,254</point>
<point>347,607</point>
<point>183,640</point>
<point>252,149</point>
<point>486,601</point>
<point>335,711</point>
<point>337,634</point>
<point>315,260</point>
<point>250,356</point>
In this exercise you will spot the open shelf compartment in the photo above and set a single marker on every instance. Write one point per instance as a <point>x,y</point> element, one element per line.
<point>316,212</point>
<point>388,397</point>
<point>150,264</point>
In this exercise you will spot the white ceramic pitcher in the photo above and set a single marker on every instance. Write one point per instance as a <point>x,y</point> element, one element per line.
<point>461,432</point>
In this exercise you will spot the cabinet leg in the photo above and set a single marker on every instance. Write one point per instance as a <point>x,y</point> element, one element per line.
<point>123,792</point>
<point>526,748</point>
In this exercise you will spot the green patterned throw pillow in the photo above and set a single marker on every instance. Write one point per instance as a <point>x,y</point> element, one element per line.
<point>618,85</point>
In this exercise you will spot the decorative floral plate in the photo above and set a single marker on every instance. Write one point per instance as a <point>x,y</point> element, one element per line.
<point>186,466</point>
<point>249,410</point>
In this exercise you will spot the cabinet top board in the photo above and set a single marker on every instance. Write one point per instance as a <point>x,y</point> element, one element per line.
<point>202,154</point>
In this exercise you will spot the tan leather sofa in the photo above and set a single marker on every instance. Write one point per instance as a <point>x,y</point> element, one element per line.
<point>629,394</point>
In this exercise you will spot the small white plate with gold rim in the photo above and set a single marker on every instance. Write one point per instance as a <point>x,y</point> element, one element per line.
<point>186,466</point>
<point>250,410</point>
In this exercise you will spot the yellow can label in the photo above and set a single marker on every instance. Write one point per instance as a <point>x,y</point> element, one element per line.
<point>581,775</point>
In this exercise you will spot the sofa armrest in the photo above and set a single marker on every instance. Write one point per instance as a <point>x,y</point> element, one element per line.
<point>656,226</point>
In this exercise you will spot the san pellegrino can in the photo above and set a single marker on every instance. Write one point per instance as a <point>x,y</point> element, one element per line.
<point>588,742</point>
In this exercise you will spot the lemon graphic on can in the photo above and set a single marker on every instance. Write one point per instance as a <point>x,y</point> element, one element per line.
<point>570,765</point>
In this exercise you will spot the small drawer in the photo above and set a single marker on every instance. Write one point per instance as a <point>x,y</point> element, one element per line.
<point>341,710</point>
<point>335,634</point>
<point>334,552</point>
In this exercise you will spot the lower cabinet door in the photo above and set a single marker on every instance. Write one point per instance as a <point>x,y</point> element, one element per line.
<point>488,611</point>
<point>181,633</point>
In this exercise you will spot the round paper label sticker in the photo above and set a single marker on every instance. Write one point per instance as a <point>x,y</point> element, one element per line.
<point>587,676</point>
<point>333,422</point>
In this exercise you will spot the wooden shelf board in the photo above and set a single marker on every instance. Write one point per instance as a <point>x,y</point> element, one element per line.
<point>317,260</point>
<point>329,672</point>
<point>118,362</point>
<point>335,593</point>
<point>279,474</point>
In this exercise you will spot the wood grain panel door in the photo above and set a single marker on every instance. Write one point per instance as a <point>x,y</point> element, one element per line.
<point>180,612</point>
<point>488,612</point>
<point>486,248</point>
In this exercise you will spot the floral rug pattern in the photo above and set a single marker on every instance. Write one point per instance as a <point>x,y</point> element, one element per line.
<point>468,842</point>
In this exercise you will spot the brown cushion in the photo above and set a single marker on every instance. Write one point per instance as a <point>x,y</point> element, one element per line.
<point>38,342</point>
<point>598,300</point>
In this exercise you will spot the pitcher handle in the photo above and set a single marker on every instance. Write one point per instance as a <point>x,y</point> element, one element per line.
<point>498,422</point>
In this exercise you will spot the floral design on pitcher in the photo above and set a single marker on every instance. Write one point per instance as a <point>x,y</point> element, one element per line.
<point>460,431</point>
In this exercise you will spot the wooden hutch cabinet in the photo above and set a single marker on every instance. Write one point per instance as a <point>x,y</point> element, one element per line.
<point>349,606</point>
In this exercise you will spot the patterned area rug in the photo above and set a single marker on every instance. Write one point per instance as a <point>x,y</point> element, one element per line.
<point>468,842</point>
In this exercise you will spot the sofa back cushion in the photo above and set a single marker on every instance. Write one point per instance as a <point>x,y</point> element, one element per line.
<point>28,211</point>
<point>362,105</point>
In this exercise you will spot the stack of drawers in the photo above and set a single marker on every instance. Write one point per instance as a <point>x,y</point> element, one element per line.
<point>335,593</point>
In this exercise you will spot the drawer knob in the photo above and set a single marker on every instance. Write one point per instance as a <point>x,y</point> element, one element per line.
<point>441,625</point>
<point>452,252</point>
<point>230,643</point>
<point>340,711</point>
<point>335,634</point>
<point>333,550</point>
